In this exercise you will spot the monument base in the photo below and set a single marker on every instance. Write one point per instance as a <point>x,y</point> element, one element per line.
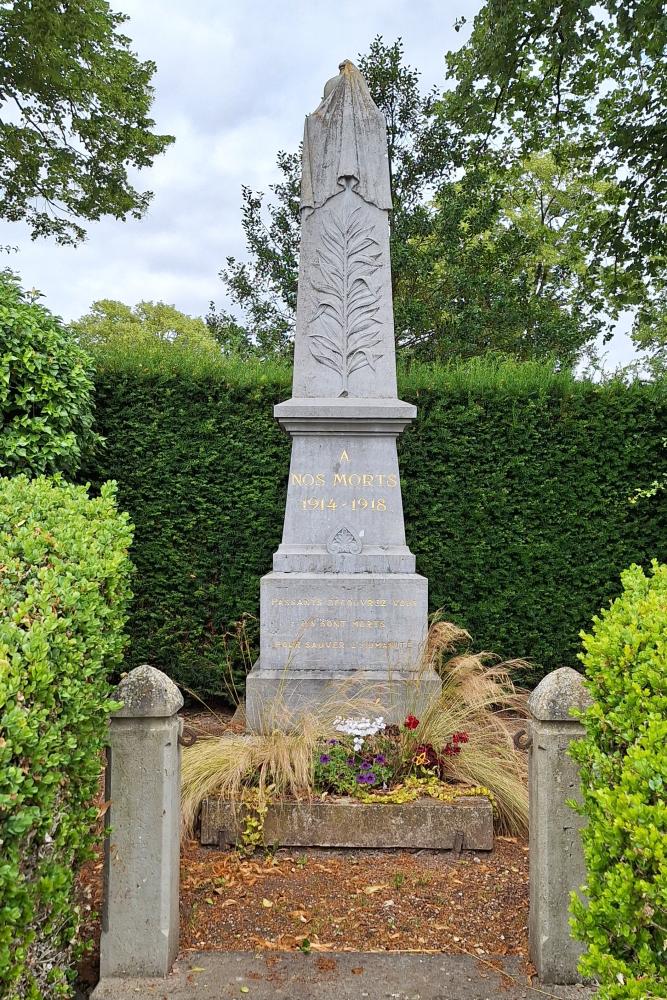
<point>276,698</point>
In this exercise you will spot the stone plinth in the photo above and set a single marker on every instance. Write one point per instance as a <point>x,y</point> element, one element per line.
<point>465,824</point>
<point>556,857</point>
<point>140,916</point>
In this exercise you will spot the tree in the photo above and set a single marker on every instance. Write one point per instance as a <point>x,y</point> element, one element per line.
<point>75,116</point>
<point>504,266</point>
<point>45,388</point>
<point>110,322</point>
<point>492,250</point>
<point>586,81</point>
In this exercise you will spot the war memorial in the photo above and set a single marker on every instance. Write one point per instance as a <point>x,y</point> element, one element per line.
<point>343,605</point>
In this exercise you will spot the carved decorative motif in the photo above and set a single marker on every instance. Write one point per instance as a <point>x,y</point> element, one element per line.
<point>344,327</point>
<point>344,541</point>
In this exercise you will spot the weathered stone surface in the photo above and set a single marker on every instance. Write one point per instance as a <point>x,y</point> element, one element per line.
<point>140,917</point>
<point>147,693</point>
<point>343,544</point>
<point>556,857</point>
<point>276,698</point>
<point>424,823</point>
<point>353,620</point>
<point>558,694</point>
<point>292,975</point>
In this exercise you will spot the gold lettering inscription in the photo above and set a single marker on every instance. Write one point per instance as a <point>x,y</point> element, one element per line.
<point>365,479</point>
<point>308,479</point>
<point>357,503</point>
<point>344,457</point>
<point>283,602</point>
<point>351,602</point>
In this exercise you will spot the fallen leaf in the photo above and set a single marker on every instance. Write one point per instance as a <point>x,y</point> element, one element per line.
<point>370,889</point>
<point>357,972</point>
<point>267,903</point>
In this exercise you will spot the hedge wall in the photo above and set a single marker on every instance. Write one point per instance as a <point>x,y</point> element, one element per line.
<point>515,481</point>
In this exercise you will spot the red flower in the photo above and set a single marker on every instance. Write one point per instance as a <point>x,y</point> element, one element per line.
<point>411,722</point>
<point>460,738</point>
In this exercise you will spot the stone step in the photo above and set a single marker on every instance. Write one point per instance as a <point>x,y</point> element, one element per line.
<point>465,824</point>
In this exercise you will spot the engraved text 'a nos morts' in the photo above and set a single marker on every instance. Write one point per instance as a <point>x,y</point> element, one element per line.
<point>343,606</point>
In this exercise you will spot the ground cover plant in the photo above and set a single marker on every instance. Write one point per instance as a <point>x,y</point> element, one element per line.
<point>515,484</point>
<point>64,591</point>
<point>460,745</point>
<point>623,760</point>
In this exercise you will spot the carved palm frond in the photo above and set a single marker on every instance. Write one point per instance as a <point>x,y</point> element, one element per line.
<point>344,327</point>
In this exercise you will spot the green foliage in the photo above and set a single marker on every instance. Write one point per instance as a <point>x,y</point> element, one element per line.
<point>45,388</point>
<point>110,322</point>
<point>63,597</point>
<point>515,484</point>
<point>339,768</point>
<point>584,81</point>
<point>623,760</point>
<point>76,103</point>
<point>503,265</point>
<point>489,252</point>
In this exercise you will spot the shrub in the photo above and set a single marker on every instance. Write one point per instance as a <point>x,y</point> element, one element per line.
<point>45,388</point>
<point>623,760</point>
<point>515,485</point>
<point>63,596</point>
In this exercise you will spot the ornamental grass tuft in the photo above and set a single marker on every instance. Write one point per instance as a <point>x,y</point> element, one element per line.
<point>345,748</point>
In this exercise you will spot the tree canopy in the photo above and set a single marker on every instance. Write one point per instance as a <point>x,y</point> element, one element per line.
<point>75,116</point>
<point>492,249</point>
<point>110,322</point>
<point>585,80</point>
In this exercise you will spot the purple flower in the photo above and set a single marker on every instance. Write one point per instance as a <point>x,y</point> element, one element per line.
<point>334,743</point>
<point>362,779</point>
<point>370,779</point>
<point>325,758</point>
<point>380,759</point>
<point>350,761</point>
<point>366,766</point>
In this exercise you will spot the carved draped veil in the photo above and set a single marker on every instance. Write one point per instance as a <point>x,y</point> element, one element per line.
<point>344,138</point>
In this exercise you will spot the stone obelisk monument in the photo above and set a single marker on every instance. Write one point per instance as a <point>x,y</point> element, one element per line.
<point>343,603</point>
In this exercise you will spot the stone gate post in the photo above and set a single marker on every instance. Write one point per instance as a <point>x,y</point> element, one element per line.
<point>141,865</point>
<point>556,856</point>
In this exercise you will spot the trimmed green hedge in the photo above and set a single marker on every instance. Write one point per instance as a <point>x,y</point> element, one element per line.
<point>623,760</point>
<point>515,483</point>
<point>63,597</point>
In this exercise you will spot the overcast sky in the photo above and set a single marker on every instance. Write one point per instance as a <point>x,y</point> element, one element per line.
<point>234,81</point>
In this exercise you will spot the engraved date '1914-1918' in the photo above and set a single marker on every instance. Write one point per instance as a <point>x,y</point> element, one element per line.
<point>347,328</point>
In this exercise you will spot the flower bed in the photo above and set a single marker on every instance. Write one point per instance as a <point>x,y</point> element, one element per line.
<point>364,782</point>
<point>460,746</point>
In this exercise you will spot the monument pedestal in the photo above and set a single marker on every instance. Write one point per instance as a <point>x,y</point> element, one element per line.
<point>343,615</point>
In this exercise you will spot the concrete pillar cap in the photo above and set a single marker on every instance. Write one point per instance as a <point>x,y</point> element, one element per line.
<point>147,693</point>
<point>558,693</point>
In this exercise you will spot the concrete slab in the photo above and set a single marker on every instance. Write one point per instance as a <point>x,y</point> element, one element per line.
<point>466,824</point>
<point>337,976</point>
